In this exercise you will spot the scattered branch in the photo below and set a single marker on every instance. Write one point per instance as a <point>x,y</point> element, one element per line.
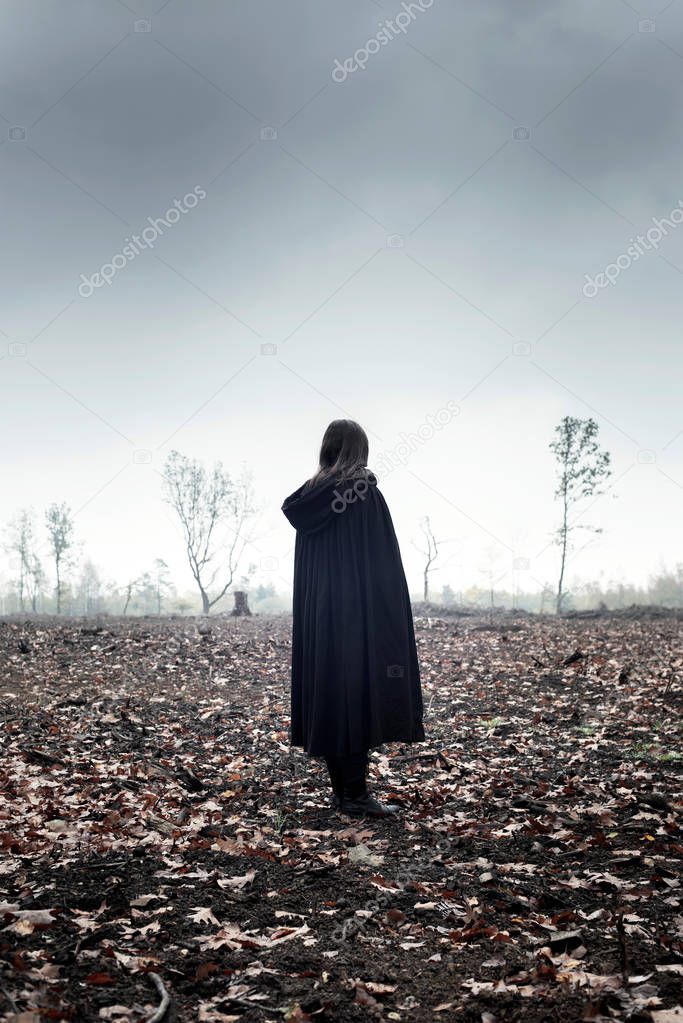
<point>165,998</point>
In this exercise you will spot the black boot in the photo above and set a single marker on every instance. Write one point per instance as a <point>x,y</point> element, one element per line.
<point>336,779</point>
<point>367,806</point>
<point>356,800</point>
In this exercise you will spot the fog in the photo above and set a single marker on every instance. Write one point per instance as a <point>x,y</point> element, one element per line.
<point>369,211</point>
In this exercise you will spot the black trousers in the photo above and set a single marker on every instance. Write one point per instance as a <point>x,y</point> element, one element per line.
<point>347,775</point>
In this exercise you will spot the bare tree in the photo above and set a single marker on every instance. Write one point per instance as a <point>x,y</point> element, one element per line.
<point>493,575</point>
<point>129,589</point>
<point>60,531</point>
<point>90,588</point>
<point>429,549</point>
<point>161,582</point>
<point>214,512</point>
<point>547,594</point>
<point>582,469</point>
<point>35,578</point>
<point>21,543</point>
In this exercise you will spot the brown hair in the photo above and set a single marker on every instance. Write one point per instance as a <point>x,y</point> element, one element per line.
<point>343,452</point>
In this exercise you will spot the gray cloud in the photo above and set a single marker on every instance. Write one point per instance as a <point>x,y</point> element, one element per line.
<point>392,235</point>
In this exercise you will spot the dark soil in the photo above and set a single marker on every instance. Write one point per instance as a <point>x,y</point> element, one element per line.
<point>160,835</point>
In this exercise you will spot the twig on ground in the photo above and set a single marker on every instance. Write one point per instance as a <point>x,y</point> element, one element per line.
<point>656,800</point>
<point>406,758</point>
<point>672,679</point>
<point>43,758</point>
<point>105,865</point>
<point>246,1004</point>
<point>73,701</point>
<point>184,777</point>
<point>165,998</point>
<point>621,934</point>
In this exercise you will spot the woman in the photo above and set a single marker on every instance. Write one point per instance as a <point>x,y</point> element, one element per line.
<point>355,674</point>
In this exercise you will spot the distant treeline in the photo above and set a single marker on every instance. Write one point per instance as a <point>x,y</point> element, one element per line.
<point>664,589</point>
<point>88,596</point>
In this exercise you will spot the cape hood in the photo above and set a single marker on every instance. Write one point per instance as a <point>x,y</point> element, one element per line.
<point>313,508</point>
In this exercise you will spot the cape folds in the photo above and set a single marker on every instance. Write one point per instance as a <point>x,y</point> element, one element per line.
<point>355,673</point>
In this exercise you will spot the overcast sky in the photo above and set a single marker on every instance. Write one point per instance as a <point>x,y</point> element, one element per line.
<point>416,232</point>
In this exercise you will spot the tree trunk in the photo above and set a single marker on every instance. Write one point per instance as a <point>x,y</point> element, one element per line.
<point>206,604</point>
<point>59,588</point>
<point>558,606</point>
<point>241,604</point>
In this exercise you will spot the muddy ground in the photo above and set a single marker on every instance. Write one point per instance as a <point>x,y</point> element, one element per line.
<point>166,854</point>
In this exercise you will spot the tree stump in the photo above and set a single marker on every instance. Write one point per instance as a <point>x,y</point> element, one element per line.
<point>241,603</point>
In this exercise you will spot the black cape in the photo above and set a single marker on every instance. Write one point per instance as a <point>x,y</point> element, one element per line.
<point>355,673</point>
